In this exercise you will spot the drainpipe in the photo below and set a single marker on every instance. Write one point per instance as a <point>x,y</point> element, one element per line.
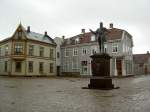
<point>115,68</point>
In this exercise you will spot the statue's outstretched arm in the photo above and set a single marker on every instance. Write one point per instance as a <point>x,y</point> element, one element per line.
<point>92,32</point>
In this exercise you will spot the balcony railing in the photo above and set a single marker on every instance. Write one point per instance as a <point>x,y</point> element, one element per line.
<point>18,56</point>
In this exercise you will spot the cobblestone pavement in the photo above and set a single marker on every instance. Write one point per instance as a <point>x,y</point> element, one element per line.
<point>66,95</point>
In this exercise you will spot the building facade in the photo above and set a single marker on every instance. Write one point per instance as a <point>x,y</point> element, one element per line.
<point>76,52</point>
<point>141,63</point>
<point>27,53</point>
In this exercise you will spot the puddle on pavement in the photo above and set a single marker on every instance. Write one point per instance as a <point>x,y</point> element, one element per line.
<point>72,80</point>
<point>59,91</point>
<point>39,85</point>
<point>10,86</point>
<point>12,103</point>
<point>137,80</point>
<point>108,96</point>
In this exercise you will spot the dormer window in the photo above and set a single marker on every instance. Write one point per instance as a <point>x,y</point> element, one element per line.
<point>19,34</point>
<point>77,40</point>
<point>93,38</point>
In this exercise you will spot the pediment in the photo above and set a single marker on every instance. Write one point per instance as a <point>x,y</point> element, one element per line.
<point>20,33</point>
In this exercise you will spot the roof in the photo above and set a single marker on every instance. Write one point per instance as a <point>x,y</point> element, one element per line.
<point>141,58</point>
<point>39,37</point>
<point>33,36</point>
<point>113,34</point>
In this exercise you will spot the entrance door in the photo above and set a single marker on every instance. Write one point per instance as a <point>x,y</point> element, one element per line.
<point>119,67</point>
<point>18,66</point>
<point>58,70</point>
<point>84,70</point>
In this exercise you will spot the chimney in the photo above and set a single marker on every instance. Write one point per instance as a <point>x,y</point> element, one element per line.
<point>147,52</point>
<point>82,31</point>
<point>45,33</point>
<point>111,25</point>
<point>63,37</point>
<point>28,29</point>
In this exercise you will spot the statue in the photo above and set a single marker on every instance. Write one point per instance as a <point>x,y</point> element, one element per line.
<point>100,35</point>
<point>100,63</point>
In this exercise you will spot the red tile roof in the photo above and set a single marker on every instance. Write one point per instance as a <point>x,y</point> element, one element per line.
<point>113,34</point>
<point>141,58</point>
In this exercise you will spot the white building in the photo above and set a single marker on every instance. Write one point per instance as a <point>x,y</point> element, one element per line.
<point>76,52</point>
<point>27,53</point>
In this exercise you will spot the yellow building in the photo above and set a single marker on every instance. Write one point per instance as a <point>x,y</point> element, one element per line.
<point>27,53</point>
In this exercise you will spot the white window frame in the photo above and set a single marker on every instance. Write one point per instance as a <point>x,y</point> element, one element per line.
<point>66,52</point>
<point>41,51</point>
<point>76,65</point>
<point>84,51</point>
<point>6,49</point>
<point>93,50</point>
<point>66,66</point>
<point>75,51</point>
<point>93,38</point>
<point>115,46</point>
<point>31,50</point>
<point>105,48</point>
<point>77,40</point>
<point>0,51</point>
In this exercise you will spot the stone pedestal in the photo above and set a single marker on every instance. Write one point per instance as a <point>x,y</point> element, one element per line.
<point>100,79</point>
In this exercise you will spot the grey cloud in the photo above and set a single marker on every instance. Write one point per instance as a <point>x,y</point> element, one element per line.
<point>67,17</point>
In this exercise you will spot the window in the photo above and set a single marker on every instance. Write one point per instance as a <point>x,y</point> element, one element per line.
<point>75,51</point>
<point>41,51</point>
<point>84,67</point>
<point>31,50</point>
<point>93,38</point>
<point>74,65</point>
<point>76,40</point>
<point>30,66</point>
<point>84,51</point>
<point>51,53</point>
<point>18,48</point>
<point>114,48</point>
<point>6,66</point>
<point>6,50</point>
<point>58,54</point>
<point>66,52</point>
<point>19,34</point>
<point>51,68</point>
<point>105,48</point>
<point>0,51</point>
<point>93,50</point>
<point>18,67</point>
<point>41,67</point>
<point>66,67</point>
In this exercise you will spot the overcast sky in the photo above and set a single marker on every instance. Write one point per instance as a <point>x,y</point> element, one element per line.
<point>68,17</point>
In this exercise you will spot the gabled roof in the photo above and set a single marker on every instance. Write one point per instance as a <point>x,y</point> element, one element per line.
<point>112,34</point>
<point>141,58</point>
<point>33,36</point>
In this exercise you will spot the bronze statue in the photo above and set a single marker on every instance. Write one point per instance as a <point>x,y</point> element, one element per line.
<point>100,35</point>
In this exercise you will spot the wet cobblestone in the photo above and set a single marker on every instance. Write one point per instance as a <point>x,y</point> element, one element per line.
<point>67,95</point>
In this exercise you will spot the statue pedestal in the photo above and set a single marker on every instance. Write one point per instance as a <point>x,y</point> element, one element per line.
<point>101,72</point>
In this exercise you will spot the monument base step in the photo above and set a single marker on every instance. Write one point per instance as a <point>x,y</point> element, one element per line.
<point>101,83</point>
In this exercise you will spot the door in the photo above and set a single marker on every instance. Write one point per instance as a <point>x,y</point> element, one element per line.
<point>58,70</point>
<point>84,68</point>
<point>119,67</point>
